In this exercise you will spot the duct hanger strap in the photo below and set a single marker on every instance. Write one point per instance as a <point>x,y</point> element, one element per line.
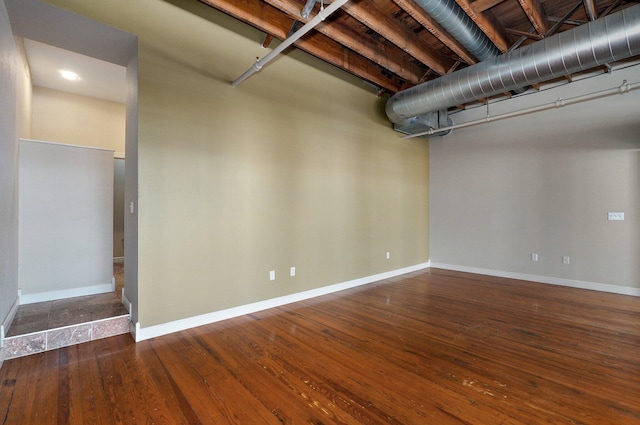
<point>260,63</point>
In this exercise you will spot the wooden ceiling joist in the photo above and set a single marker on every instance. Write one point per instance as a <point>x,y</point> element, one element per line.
<point>434,28</point>
<point>488,24</point>
<point>480,6</point>
<point>396,44</point>
<point>271,21</point>
<point>536,14</point>
<point>374,18</point>
<point>373,50</point>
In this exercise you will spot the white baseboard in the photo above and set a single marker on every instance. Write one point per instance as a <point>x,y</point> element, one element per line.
<point>126,302</point>
<point>140,334</point>
<point>594,286</point>
<point>65,293</point>
<point>6,322</point>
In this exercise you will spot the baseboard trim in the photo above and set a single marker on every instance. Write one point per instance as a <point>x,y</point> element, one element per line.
<point>580,284</point>
<point>141,334</point>
<point>4,326</point>
<point>39,297</point>
<point>126,302</point>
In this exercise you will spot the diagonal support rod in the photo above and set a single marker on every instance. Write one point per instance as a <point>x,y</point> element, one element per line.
<point>260,63</point>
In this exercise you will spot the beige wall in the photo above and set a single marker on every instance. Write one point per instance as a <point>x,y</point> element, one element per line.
<point>543,183</point>
<point>78,120</point>
<point>295,167</point>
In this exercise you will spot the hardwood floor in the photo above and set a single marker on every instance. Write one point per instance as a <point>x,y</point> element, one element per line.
<point>432,347</point>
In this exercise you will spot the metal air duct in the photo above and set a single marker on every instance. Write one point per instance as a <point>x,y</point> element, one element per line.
<point>461,27</point>
<point>609,39</point>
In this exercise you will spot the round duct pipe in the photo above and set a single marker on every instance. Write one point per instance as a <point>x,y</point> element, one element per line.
<point>606,40</point>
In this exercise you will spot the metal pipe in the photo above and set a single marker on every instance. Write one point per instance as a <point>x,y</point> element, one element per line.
<point>590,6</point>
<point>260,63</point>
<point>623,88</point>
<point>609,39</point>
<point>306,10</point>
<point>457,23</point>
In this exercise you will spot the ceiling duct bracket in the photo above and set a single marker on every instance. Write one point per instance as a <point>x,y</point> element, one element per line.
<point>428,123</point>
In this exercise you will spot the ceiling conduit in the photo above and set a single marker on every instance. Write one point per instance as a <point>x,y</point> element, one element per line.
<point>461,27</point>
<point>606,40</point>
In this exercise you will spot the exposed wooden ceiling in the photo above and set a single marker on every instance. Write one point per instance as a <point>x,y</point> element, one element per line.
<point>395,44</point>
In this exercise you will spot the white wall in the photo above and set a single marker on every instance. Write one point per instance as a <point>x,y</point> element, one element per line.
<point>543,183</point>
<point>15,93</point>
<point>66,221</point>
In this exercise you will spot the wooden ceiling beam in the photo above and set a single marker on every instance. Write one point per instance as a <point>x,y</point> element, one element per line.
<point>370,49</point>
<point>480,6</point>
<point>536,14</point>
<point>488,24</point>
<point>370,15</point>
<point>525,34</point>
<point>269,20</point>
<point>423,18</point>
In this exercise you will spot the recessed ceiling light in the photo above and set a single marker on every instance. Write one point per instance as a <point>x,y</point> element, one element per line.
<point>69,75</point>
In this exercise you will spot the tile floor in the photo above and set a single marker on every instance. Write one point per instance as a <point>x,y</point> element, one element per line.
<point>53,324</point>
<point>60,313</point>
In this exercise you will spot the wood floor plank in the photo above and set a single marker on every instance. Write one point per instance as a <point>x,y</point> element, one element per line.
<point>435,346</point>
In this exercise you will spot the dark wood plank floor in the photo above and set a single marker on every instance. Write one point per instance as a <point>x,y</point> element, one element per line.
<point>432,347</point>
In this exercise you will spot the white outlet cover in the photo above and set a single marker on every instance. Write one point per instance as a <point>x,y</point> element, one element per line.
<point>292,272</point>
<point>615,216</point>
<point>272,275</point>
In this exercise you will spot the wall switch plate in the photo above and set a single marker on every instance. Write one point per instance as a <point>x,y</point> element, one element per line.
<point>388,255</point>
<point>272,275</point>
<point>566,259</point>
<point>615,216</point>
<point>534,257</point>
<point>292,271</point>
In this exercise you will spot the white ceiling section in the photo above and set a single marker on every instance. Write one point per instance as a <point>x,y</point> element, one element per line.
<point>99,79</point>
<point>77,39</point>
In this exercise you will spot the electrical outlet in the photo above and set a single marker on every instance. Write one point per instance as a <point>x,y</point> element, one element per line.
<point>566,259</point>
<point>292,271</point>
<point>388,255</point>
<point>615,216</point>
<point>272,275</point>
<point>534,257</point>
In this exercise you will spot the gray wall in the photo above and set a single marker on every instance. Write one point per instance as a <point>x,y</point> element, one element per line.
<point>118,207</point>
<point>42,22</point>
<point>66,221</point>
<point>14,104</point>
<point>543,183</point>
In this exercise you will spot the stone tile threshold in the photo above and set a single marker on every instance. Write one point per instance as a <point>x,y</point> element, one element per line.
<point>50,339</point>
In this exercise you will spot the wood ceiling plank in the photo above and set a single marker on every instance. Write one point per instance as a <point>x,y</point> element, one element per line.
<point>370,49</point>
<point>371,16</point>
<point>488,24</point>
<point>269,20</point>
<point>536,14</point>
<point>423,18</point>
<point>480,6</point>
